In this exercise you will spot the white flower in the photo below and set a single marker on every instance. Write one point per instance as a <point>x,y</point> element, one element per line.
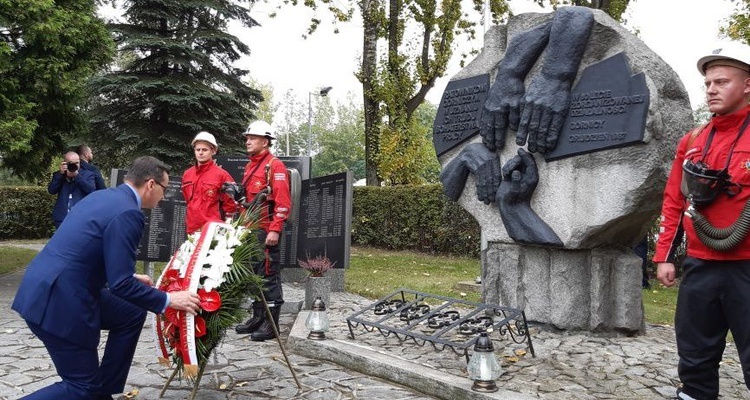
<point>234,239</point>
<point>183,255</point>
<point>213,278</point>
<point>218,258</point>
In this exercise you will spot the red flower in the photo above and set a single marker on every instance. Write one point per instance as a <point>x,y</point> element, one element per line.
<point>210,301</point>
<point>172,274</point>
<point>175,286</point>
<point>171,282</point>
<point>171,332</point>
<point>173,316</point>
<point>200,326</point>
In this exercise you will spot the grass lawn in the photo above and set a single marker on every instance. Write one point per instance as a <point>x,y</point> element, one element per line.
<point>374,273</point>
<point>13,258</point>
<point>659,303</point>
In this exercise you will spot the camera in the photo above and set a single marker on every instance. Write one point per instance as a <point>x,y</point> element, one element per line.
<point>72,167</point>
<point>237,192</point>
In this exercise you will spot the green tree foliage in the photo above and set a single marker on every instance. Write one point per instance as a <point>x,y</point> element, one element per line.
<point>406,71</point>
<point>737,26</point>
<point>266,108</point>
<point>178,78</point>
<point>407,156</point>
<point>701,115</point>
<point>321,118</point>
<point>396,79</point>
<point>48,49</point>
<point>342,147</point>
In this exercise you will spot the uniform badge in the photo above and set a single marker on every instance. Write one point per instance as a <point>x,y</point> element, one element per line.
<point>746,165</point>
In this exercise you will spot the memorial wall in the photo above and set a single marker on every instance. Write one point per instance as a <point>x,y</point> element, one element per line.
<point>320,224</point>
<point>165,224</point>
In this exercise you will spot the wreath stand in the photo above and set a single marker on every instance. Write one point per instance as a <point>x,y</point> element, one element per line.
<point>202,365</point>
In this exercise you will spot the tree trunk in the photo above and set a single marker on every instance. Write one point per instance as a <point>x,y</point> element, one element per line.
<point>370,102</point>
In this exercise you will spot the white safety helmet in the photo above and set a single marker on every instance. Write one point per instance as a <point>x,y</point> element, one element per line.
<point>731,54</point>
<point>206,137</point>
<point>260,128</point>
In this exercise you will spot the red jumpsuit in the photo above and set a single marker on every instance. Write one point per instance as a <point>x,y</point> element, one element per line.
<point>255,179</point>
<point>714,291</point>
<point>201,188</point>
<point>724,210</point>
<point>264,169</point>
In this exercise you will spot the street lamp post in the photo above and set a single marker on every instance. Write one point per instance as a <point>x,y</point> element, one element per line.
<point>288,139</point>
<point>322,93</point>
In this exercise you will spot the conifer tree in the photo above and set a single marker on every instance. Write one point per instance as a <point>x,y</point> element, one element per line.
<point>177,79</point>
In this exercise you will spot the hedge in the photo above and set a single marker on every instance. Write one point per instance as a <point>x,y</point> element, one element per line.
<point>407,217</point>
<point>417,218</point>
<point>25,212</point>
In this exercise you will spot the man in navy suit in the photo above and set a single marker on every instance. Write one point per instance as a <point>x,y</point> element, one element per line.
<point>84,281</point>
<point>71,184</point>
<point>87,156</point>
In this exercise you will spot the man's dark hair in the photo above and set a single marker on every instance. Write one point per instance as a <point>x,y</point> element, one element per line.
<point>81,149</point>
<point>144,168</point>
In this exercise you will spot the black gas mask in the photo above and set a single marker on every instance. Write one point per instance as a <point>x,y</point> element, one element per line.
<point>700,184</point>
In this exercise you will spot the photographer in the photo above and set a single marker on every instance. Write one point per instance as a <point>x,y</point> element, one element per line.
<point>70,184</point>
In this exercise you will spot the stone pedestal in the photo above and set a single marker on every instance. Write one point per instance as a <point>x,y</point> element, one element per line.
<point>317,286</point>
<point>597,289</point>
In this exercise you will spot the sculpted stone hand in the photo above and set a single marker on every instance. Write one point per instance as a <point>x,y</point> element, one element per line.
<point>548,97</point>
<point>501,111</point>
<point>514,200</point>
<point>544,113</point>
<point>521,177</point>
<point>504,104</point>
<point>478,160</point>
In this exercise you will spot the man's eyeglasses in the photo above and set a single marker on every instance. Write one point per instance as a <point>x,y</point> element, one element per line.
<point>168,193</point>
<point>160,184</point>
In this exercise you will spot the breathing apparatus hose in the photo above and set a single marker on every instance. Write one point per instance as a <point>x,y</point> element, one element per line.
<point>721,239</point>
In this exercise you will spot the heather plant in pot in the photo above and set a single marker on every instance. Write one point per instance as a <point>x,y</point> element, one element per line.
<point>316,266</point>
<point>317,283</point>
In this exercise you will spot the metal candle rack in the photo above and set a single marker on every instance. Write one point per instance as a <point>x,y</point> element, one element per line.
<point>441,321</point>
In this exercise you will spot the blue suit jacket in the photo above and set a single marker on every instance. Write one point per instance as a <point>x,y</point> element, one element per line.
<point>98,178</point>
<point>77,189</point>
<point>95,247</point>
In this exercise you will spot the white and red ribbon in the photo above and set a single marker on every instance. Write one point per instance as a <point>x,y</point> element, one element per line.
<point>190,276</point>
<point>159,321</point>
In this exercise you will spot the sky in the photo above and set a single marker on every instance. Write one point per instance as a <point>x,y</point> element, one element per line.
<point>680,31</point>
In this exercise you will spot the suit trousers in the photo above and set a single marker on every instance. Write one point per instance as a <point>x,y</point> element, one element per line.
<point>83,376</point>
<point>713,298</point>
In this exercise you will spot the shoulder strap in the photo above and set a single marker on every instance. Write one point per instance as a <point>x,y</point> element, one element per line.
<point>268,173</point>
<point>694,134</point>
<point>247,178</point>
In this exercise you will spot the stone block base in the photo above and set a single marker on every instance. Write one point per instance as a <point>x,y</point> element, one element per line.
<point>597,289</point>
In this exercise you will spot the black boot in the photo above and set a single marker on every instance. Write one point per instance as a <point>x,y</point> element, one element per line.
<point>266,330</point>
<point>259,315</point>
